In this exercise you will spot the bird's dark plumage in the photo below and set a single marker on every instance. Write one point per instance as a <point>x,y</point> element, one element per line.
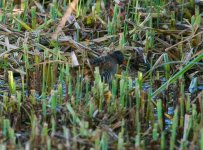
<point>108,64</point>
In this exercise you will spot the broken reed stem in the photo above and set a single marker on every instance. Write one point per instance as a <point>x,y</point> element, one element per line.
<point>64,19</point>
<point>187,39</point>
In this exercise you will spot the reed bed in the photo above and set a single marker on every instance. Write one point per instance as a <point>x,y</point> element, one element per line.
<point>49,101</point>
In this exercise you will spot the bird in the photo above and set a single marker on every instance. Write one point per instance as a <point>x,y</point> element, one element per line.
<point>108,65</point>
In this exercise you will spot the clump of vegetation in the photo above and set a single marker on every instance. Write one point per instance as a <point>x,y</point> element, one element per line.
<point>52,97</point>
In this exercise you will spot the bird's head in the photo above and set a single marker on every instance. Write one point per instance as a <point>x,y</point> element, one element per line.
<point>118,55</point>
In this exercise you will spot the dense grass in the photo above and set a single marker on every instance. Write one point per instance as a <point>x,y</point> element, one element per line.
<point>155,101</point>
